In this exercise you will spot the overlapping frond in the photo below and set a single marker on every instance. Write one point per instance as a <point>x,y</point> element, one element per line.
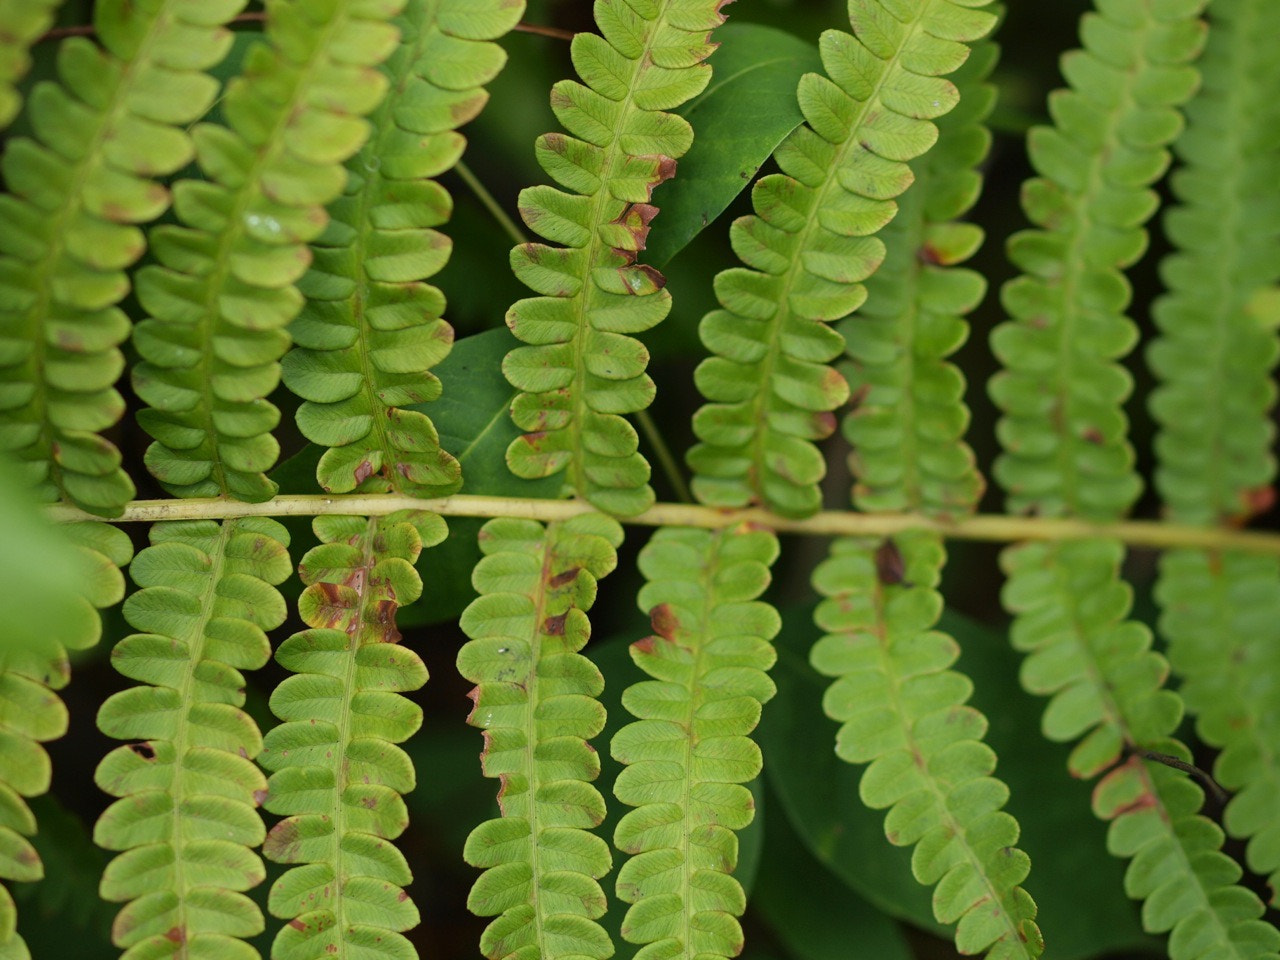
<point>1106,686</point>
<point>337,775</point>
<point>581,370</point>
<point>1220,613</point>
<point>371,328</point>
<point>187,820</point>
<point>535,700</point>
<point>909,418</point>
<point>224,290</point>
<point>1063,431</point>
<point>688,755</point>
<point>21,24</point>
<point>1216,350</point>
<point>1221,618</point>
<point>903,711</point>
<point>113,124</point>
<point>811,243</point>
<point>31,712</point>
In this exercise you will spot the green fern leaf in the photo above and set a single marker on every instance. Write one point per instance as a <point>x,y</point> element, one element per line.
<point>582,370</point>
<point>371,329</point>
<point>909,419</point>
<point>224,289</point>
<point>31,712</point>
<point>535,699</point>
<point>336,774</point>
<point>903,711</point>
<point>115,122</point>
<point>187,819</point>
<point>1063,429</point>
<point>688,754</point>
<point>810,245</point>
<point>1106,688</point>
<point>1221,617</point>
<point>1214,357</point>
<point>22,22</point>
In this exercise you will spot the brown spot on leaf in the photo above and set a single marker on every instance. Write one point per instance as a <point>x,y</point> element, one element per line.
<point>259,797</point>
<point>363,471</point>
<point>384,615</point>
<point>644,646</point>
<point>297,924</point>
<point>891,569</point>
<point>369,803</point>
<point>928,254</point>
<point>554,626</point>
<point>564,577</point>
<point>143,750</point>
<point>176,935</point>
<point>664,620</point>
<point>1093,435</point>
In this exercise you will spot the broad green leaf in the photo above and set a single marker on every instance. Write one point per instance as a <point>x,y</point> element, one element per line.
<point>756,72</point>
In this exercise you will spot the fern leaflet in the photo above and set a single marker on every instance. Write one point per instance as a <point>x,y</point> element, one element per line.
<point>114,123</point>
<point>21,24</point>
<point>909,418</point>
<point>581,370</point>
<point>224,289</point>
<point>688,754</point>
<point>1106,688</point>
<point>371,328</point>
<point>336,773</point>
<point>903,710</point>
<point>535,700</point>
<point>31,712</point>
<point>810,244</point>
<point>187,817</point>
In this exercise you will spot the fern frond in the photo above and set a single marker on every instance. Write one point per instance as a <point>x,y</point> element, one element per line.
<point>187,817</point>
<point>336,774</point>
<point>1213,358</point>
<point>114,123</point>
<point>21,24</point>
<point>688,754</point>
<point>581,370</point>
<point>909,418</point>
<point>903,711</point>
<point>1215,352</point>
<point>1107,691</point>
<point>371,329</point>
<point>1063,431</point>
<point>32,713</point>
<point>810,245</point>
<point>1221,618</point>
<point>224,289</point>
<point>535,700</point>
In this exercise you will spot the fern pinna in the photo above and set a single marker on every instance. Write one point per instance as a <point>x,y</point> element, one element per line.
<point>1214,359</point>
<point>687,755</point>
<point>223,291</point>
<point>1066,451</point>
<point>187,819</point>
<point>535,700</point>
<point>337,776</point>
<point>582,369</point>
<point>371,329</point>
<point>115,123</point>
<point>31,711</point>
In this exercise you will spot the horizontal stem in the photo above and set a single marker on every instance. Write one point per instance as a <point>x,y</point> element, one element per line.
<point>990,527</point>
